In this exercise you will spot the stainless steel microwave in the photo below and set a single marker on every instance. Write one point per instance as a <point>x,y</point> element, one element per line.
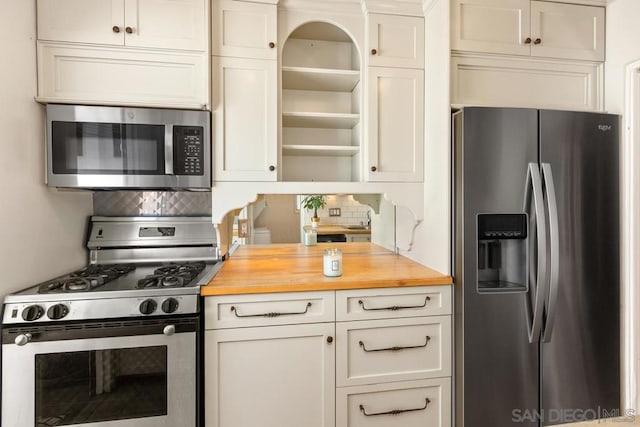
<point>119,147</point>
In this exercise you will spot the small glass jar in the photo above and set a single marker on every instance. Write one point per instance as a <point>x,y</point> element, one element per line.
<point>310,237</point>
<point>332,262</point>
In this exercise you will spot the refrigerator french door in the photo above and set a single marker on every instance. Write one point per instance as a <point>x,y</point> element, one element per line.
<point>536,266</point>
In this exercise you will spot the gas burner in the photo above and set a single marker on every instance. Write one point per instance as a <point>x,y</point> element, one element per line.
<point>172,275</point>
<point>88,278</point>
<point>71,284</point>
<point>108,270</point>
<point>192,267</point>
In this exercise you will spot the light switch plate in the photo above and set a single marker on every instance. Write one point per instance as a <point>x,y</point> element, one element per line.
<point>334,212</point>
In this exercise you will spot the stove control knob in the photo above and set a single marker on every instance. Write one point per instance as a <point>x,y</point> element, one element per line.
<point>148,306</point>
<point>170,305</point>
<point>33,312</point>
<point>57,311</point>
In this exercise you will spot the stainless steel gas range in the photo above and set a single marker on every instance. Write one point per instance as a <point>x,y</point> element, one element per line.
<point>117,343</point>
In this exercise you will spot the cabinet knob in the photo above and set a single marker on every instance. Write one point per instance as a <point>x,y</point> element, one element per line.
<point>373,168</point>
<point>329,340</point>
<point>272,45</point>
<point>537,41</point>
<point>129,30</point>
<point>116,29</point>
<point>272,168</point>
<point>527,40</point>
<point>374,52</point>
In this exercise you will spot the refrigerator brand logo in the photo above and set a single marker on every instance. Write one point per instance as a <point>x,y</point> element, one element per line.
<point>604,128</point>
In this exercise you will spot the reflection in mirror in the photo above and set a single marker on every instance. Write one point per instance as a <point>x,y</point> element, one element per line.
<point>283,218</point>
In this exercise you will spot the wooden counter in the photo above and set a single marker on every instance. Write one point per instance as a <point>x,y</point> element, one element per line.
<point>338,229</point>
<point>295,267</point>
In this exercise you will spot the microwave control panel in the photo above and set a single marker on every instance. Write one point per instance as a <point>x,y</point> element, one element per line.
<point>188,150</point>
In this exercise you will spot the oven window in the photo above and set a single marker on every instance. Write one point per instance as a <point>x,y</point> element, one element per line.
<point>101,385</point>
<point>107,148</point>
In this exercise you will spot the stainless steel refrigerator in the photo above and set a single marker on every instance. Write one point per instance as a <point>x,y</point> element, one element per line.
<point>536,261</point>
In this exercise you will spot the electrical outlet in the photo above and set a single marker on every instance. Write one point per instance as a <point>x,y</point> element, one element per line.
<point>334,212</point>
<point>243,228</point>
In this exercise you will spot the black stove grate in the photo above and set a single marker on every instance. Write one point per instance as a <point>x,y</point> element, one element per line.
<point>86,279</point>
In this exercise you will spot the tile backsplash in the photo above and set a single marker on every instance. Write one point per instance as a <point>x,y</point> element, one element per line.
<point>152,203</point>
<point>351,212</point>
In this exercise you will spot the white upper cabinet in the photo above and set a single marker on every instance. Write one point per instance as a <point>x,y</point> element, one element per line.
<point>525,27</point>
<point>567,31</point>
<point>162,24</point>
<point>395,41</point>
<point>245,106</point>
<point>495,26</point>
<point>166,24</point>
<point>395,124</point>
<point>83,21</point>
<point>244,30</point>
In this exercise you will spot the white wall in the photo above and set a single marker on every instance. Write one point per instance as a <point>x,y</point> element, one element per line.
<point>623,34</point>
<point>623,50</point>
<point>41,229</point>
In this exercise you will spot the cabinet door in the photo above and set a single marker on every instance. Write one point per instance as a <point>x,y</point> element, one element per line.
<point>567,31</point>
<point>82,21</point>
<point>358,237</point>
<point>395,124</point>
<point>244,30</point>
<point>496,26</point>
<point>80,74</point>
<point>274,376</point>
<point>245,119</point>
<point>526,82</point>
<point>395,41</point>
<point>166,24</point>
<point>404,404</point>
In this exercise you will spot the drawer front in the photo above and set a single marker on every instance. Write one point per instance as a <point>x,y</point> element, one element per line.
<point>413,403</point>
<point>389,303</point>
<point>377,351</point>
<point>236,311</point>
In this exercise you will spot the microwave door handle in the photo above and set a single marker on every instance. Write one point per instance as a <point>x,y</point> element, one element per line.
<point>168,150</point>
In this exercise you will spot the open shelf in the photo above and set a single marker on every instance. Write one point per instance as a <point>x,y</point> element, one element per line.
<point>320,120</point>
<point>320,150</point>
<point>320,79</point>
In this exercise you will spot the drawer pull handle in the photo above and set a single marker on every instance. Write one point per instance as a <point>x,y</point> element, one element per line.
<point>395,307</point>
<point>395,411</point>
<point>394,348</point>
<point>270,314</point>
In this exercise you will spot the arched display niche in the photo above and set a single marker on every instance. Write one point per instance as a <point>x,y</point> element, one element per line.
<point>321,105</point>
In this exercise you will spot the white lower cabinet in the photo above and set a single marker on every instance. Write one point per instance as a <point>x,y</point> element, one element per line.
<point>406,404</point>
<point>358,237</point>
<point>394,368</point>
<point>274,376</point>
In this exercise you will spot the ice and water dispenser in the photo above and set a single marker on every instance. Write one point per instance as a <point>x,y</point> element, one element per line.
<point>502,253</point>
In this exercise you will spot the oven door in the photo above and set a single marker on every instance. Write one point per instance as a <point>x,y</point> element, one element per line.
<point>107,374</point>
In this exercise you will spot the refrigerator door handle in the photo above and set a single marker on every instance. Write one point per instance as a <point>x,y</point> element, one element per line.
<point>533,192</point>
<point>554,249</point>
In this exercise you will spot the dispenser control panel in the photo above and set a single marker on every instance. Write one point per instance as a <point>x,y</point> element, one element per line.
<point>502,226</point>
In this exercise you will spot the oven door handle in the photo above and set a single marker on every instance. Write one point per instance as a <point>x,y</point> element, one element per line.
<point>112,329</point>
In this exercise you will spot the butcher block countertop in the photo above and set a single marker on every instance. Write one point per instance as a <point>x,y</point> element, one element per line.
<point>295,267</point>
<point>338,229</point>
